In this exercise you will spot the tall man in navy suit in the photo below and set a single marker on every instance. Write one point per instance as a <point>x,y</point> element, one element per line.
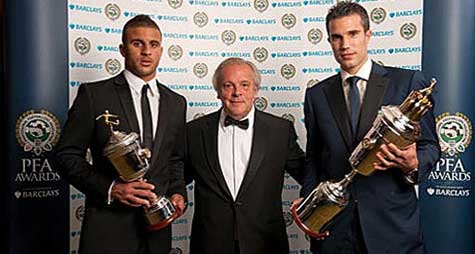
<point>113,219</point>
<point>383,213</point>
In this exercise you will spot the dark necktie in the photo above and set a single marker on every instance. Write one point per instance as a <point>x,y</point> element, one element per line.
<point>147,140</point>
<point>355,102</point>
<point>243,124</point>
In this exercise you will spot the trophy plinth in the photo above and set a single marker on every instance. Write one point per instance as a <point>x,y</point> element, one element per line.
<point>131,163</point>
<point>398,125</point>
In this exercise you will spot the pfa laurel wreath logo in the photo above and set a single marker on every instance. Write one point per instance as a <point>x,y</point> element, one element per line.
<point>454,132</point>
<point>37,131</point>
<point>260,54</point>
<point>408,30</point>
<point>312,82</point>
<point>112,11</point>
<point>378,15</point>
<point>200,19</point>
<point>175,4</point>
<point>261,103</point>
<point>261,5</point>
<point>175,52</point>
<point>288,71</point>
<point>112,66</point>
<point>315,35</point>
<point>200,70</point>
<point>228,37</point>
<point>289,20</point>
<point>82,45</point>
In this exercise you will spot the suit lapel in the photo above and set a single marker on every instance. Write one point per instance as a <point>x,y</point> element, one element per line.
<point>210,136</point>
<point>127,103</point>
<point>373,99</point>
<point>165,113</point>
<point>336,99</point>
<point>259,138</point>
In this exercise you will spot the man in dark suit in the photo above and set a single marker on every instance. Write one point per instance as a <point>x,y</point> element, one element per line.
<point>113,219</point>
<point>383,213</point>
<point>237,157</point>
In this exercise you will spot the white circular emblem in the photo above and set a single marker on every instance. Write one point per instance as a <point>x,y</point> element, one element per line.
<point>312,82</point>
<point>82,45</point>
<point>175,4</point>
<point>260,103</point>
<point>112,11</point>
<point>261,5</point>
<point>260,54</point>
<point>288,20</point>
<point>175,52</point>
<point>80,212</point>
<point>37,131</point>
<point>200,19</point>
<point>315,35</point>
<point>289,117</point>
<point>288,71</point>
<point>200,70</point>
<point>112,66</point>
<point>408,30</point>
<point>228,37</point>
<point>378,15</point>
<point>454,132</point>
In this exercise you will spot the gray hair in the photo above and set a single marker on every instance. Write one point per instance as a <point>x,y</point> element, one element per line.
<point>238,61</point>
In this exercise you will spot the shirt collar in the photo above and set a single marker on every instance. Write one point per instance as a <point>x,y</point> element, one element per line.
<point>136,83</point>
<point>363,73</point>
<point>249,116</point>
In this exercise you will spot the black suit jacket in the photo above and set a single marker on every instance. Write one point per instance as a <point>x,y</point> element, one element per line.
<point>387,207</point>
<point>255,218</point>
<point>117,228</point>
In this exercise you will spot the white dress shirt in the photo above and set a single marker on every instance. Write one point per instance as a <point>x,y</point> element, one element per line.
<point>363,73</point>
<point>234,151</point>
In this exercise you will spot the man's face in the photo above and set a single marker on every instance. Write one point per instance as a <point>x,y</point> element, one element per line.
<point>237,90</point>
<point>142,51</point>
<point>349,42</point>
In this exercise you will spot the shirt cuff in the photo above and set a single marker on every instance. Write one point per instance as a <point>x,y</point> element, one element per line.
<point>411,177</point>
<point>109,193</point>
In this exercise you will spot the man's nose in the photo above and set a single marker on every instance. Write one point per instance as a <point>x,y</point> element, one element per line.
<point>146,50</point>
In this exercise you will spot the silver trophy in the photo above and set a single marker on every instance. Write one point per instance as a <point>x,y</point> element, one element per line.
<point>131,162</point>
<point>398,125</point>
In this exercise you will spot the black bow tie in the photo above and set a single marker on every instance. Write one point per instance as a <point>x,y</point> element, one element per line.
<point>244,124</point>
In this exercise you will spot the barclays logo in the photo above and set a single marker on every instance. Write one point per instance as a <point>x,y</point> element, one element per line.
<point>376,51</point>
<point>267,72</point>
<point>383,33</point>
<point>105,48</point>
<point>317,2</point>
<point>180,238</point>
<point>203,54</point>
<point>236,54</point>
<point>74,83</point>
<point>286,104</point>
<point>172,18</point>
<point>254,38</point>
<point>83,65</point>
<point>181,221</point>
<point>200,87</point>
<point>317,70</point>
<point>261,21</point>
<point>203,3</point>
<point>286,54</point>
<point>197,104</point>
<point>206,37</point>
<point>417,67</point>
<point>111,30</point>
<point>313,19</point>
<point>236,4</point>
<point>404,50</point>
<point>286,38</point>
<point>83,27</point>
<point>285,88</point>
<point>85,8</point>
<point>398,14</point>
<point>177,87</point>
<point>231,21</point>
<point>293,236</point>
<point>291,187</point>
<point>129,14</point>
<point>317,53</point>
<point>286,4</point>
<point>175,36</point>
<point>172,70</point>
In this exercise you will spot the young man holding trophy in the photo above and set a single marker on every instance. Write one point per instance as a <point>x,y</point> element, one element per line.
<point>134,127</point>
<point>362,166</point>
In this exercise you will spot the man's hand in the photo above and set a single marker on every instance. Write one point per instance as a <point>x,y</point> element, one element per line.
<point>178,201</point>
<point>135,194</point>
<point>389,156</point>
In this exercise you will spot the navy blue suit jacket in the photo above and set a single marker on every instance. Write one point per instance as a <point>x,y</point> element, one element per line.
<point>386,205</point>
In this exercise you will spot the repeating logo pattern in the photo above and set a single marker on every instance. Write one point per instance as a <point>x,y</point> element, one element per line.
<point>261,5</point>
<point>315,35</point>
<point>288,71</point>
<point>378,15</point>
<point>261,103</point>
<point>289,20</point>
<point>260,54</point>
<point>228,37</point>
<point>113,66</point>
<point>200,70</point>
<point>82,45</point>
<point>175,52</point>
<point>112,11</point>
<point>200,19</point>
<point>408,31</point>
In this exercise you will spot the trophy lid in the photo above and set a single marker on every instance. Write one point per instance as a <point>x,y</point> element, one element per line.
<point>119,140</point>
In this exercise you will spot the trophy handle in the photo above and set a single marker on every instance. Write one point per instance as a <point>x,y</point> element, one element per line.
<point>304,228</point>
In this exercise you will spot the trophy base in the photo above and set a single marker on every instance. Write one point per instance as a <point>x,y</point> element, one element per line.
<point>307,230</point>
<point>164,223</point>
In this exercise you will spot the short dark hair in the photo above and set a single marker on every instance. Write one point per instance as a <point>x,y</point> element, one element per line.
<point>344,9</point>
<point>138,21</point>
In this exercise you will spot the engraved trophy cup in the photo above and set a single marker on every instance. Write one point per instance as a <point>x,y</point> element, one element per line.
<point>395,124</point>
<point>131,163</point>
